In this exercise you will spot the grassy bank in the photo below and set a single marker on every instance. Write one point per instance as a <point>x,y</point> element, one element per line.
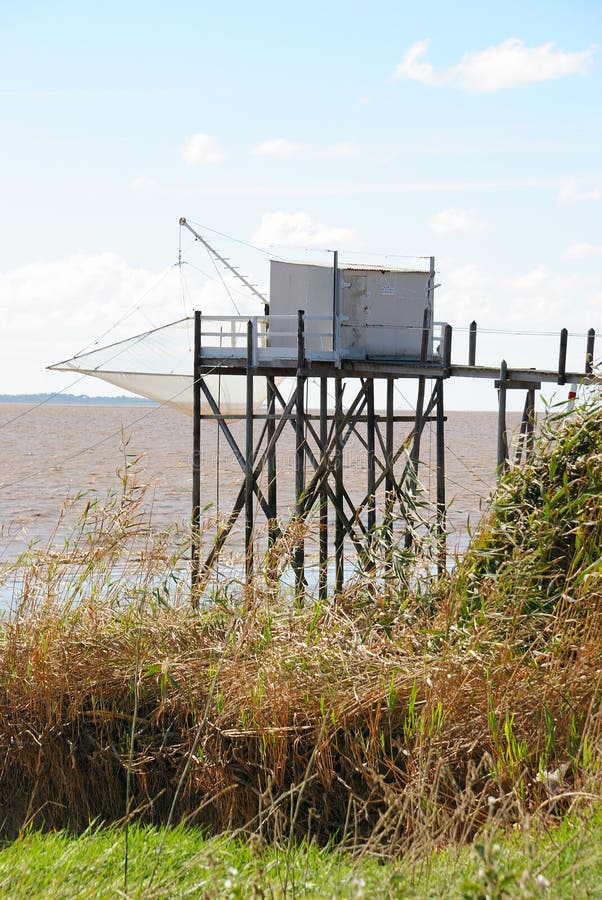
<point>392,721</point>
<point>530,863</point>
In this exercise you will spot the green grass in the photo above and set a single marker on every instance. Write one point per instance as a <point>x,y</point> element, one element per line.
<point>183,862</point>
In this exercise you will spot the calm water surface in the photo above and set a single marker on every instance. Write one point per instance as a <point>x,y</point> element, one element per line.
<point>54,452</point>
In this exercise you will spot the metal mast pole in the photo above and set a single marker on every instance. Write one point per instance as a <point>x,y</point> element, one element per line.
<point>225,262</point>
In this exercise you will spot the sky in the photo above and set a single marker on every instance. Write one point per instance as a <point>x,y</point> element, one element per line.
<point>467,131</point>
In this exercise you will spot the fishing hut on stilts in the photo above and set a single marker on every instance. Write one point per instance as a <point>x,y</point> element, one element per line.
<point>353,334</point>
<point>357,329</point>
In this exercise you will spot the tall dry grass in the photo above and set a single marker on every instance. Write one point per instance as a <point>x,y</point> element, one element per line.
<point>389,720</point>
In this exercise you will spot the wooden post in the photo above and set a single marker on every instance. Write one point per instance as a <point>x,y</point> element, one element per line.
<point>323,566</point>
<point>196,462</point>
<point>389,460</point>
<point>412,480</point>
<point>564,336</point>
<point>589,353</point>
<point>339,531</point>
<point>472,344</point>
<point>299,555</point>
<point>447,349</point>
<point>271,460</point>
<point>336,311</point>
<point>249,457</point>
<point>371,456</point>
<point>502,436</point>
<point>441,517</point>
<point>525,434</point>
<point>530,411</point>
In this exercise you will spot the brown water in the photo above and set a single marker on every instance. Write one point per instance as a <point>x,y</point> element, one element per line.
<point>52,452</point>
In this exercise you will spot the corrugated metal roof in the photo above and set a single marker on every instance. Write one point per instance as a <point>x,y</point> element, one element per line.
<point>352,267</point>
<point>385,271</point>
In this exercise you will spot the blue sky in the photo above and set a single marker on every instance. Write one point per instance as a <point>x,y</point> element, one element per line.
<point>463,130</point>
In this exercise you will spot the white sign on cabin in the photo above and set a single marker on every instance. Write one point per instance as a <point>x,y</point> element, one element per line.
<point>381,311</point>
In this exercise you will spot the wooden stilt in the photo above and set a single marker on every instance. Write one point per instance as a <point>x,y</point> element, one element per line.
<point>415,451</point>
<point>196,462</point>
<point>522,432</point>
<point>371,456</point>
<point>323,566</point>
<point>441,511</point>
<point>271,460</point>
<point>388,512</point>
<point>299,556</point>
<point>339,536</point>
<point>527,423</point>
<point>530,409</point>
<point>502,434</point>
<point>249,479</point>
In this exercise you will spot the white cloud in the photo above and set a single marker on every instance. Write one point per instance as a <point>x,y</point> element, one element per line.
<point>533,280</point>
<point>465,295</point>
<point>298,229</point>
<point>455,221</point>
<point>577,189</point>
<point>202,150</point>
<point>279,147</point>
<point>583,250</point>
<point>142,183</point>
<point>542,299</point>
<point>416,68</point>
<point>505,65</point>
